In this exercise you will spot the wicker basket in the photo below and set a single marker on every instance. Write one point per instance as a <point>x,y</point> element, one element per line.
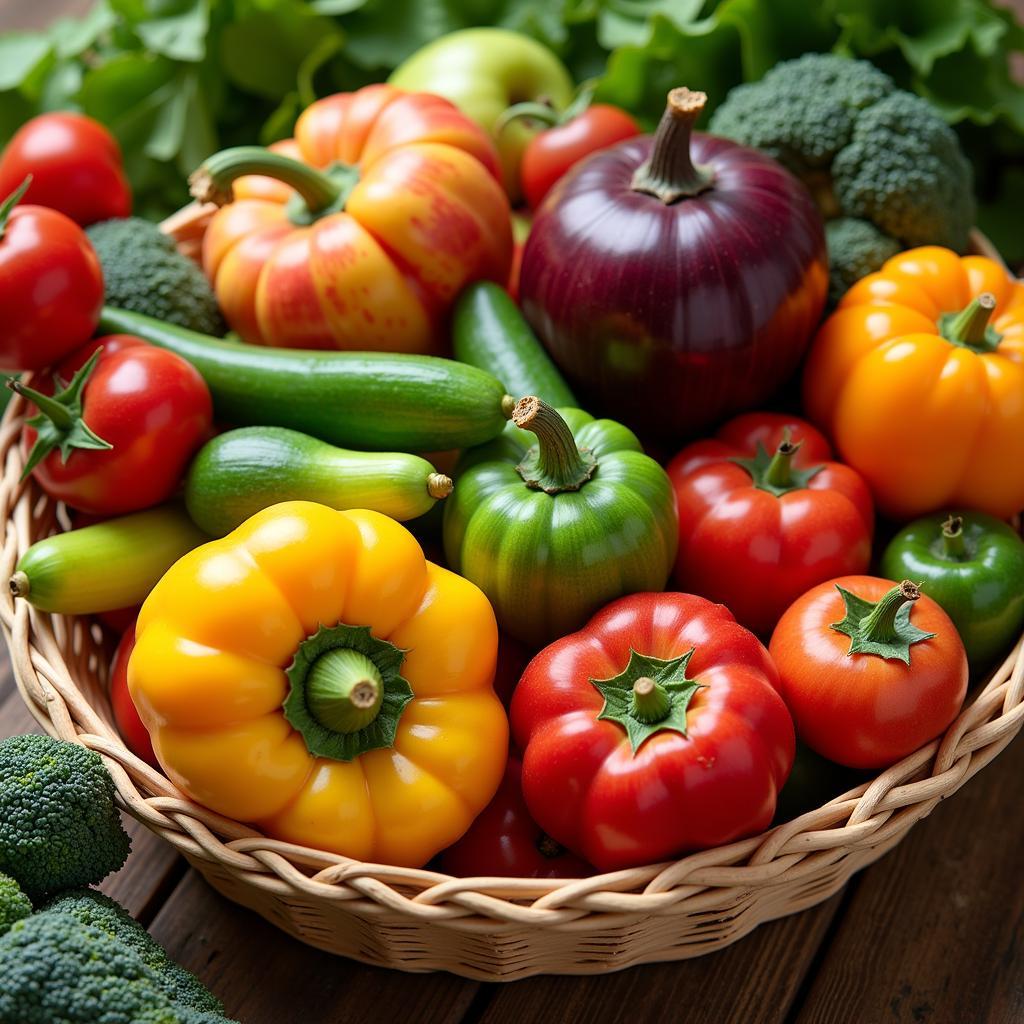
<point>486,928</point>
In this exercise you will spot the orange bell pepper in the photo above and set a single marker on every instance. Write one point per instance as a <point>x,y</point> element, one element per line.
<point>919,378</point>
<point>312,674</point>
<point>360,231</point>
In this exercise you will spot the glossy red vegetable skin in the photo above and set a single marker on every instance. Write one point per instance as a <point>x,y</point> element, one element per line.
<point>151,406</point>
<point>554,151</point>
<point>75,164</point>
<point>586,788</point>
<point>670,316</point>
<point>505,841</point>
<point>51,287</point>
<point>862,710</point>
<point>752,550</point>
<point>126,717</point>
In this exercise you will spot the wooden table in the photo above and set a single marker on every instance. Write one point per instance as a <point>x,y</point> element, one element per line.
<point>932,934</point>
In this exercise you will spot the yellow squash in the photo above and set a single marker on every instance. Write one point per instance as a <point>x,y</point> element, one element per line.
<point>313,674</point>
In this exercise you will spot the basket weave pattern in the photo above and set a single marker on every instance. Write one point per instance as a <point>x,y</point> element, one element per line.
<point>485,928</point>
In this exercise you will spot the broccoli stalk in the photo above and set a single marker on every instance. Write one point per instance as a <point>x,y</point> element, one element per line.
<point>58,824</point>
<point>864,148</point>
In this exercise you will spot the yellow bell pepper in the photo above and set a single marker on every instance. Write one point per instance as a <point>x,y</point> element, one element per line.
<point>313,674</point>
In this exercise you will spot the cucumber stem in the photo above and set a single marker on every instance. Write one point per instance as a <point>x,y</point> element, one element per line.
<point>20,584</point>
<point>439,486</point>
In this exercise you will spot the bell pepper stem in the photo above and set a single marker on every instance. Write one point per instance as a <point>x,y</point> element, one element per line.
<point>344,690</point>
<point>879,625</point>
<point>670,173</point>
<point>8,205</point>
<point>970,327</point>
<point>555,463</point>
<point>953,545</point>
<point>649,702</point>
<point>211,182</point>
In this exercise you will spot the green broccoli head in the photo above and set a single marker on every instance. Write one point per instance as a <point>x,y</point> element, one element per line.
<point>864,148</point>
<point>54,968</point>
<point>96,910</point>
<point>856,248</point>
<point>903,171</point>
<point>58,824</point>
<point>14,904</point>
<point>144,272</point>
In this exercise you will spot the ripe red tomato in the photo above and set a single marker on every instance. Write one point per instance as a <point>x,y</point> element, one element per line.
<point>654,730</point>
<point>871,670</point>
<point>126,716</point>
<point>756,530</point>
<point>51,286</point>
<point>552,152</point>
<point>75,165</point>
<point>505,841</point>
<point>150,406</point>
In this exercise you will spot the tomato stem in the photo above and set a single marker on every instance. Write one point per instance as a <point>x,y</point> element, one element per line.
<point>669,173</point>
<point>8,205</point>
<point>970,327</point>
<point>779,473</point>
<point>650,702</point>
<point>879,625</point>
<point>555,463</point>
<point>344,690</point>
<point>953,545</point>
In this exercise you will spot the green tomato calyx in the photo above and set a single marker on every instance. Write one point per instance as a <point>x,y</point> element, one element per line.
<point>776,473</point>
<point>317,193</point>
<point>555,463</point>
<point>8,205</point>
<point>882,627</point>
<point>649,696</point>
<point>970,328</point>
<point>347,692</point>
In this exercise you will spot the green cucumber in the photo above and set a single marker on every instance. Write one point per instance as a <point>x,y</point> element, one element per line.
<point>113,564</point>
<point>369,400</point>
<point>243,471</point>
<point>490,333</point>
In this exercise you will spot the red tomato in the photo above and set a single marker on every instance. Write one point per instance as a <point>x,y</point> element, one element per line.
<point>51,286</point>
<point>151,406</point>
<point>842,674</point>
<point>552,152</point>
<point>505,841</point>
<point>654,730</point>
<point>75,165</point>
<point>755,534</point>
<point>126,717</point>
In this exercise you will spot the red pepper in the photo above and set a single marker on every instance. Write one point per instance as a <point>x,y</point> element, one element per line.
<point>583,128</point>
<point>654,730</point>
<point>126,717</point>
<point>51,285</point>
<point>764,515</point>
<point>118,437</point>
<point>505,841</point>
<point>75,165</point>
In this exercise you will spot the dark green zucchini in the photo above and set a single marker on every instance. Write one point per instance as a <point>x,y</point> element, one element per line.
<point>490,333</point>
<point>367,400</point>
<point>239,473</point>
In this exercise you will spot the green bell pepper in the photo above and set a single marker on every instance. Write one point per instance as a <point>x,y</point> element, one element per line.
<point>484,71</point>
<point>972,564</point>
<point>558,516</point>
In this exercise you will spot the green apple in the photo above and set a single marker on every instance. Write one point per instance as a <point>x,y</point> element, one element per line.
<point>484,71</point>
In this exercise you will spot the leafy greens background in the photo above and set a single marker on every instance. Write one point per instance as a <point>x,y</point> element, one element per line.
<point>177,79</point>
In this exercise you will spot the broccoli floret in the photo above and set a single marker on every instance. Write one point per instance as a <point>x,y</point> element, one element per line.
<point>93,908</point>
<point>59,827</point>
<point>55,969</point>
<point>14,904</point>
<point>855,249</point>
<point>863,147</point>
<point>903,171</point>
<point>144,272</point>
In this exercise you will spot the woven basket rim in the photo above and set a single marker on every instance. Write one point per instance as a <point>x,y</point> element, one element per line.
<point>50,652</point>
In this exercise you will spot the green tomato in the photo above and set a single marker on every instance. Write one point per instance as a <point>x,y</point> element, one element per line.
<point>554,523</point>
<point>972,564</point>
<point>484,71</point>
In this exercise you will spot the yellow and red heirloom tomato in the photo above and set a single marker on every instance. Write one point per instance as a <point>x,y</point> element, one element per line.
<point>313,674</point>
<point>360,231</point>
<point>921,394</point>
